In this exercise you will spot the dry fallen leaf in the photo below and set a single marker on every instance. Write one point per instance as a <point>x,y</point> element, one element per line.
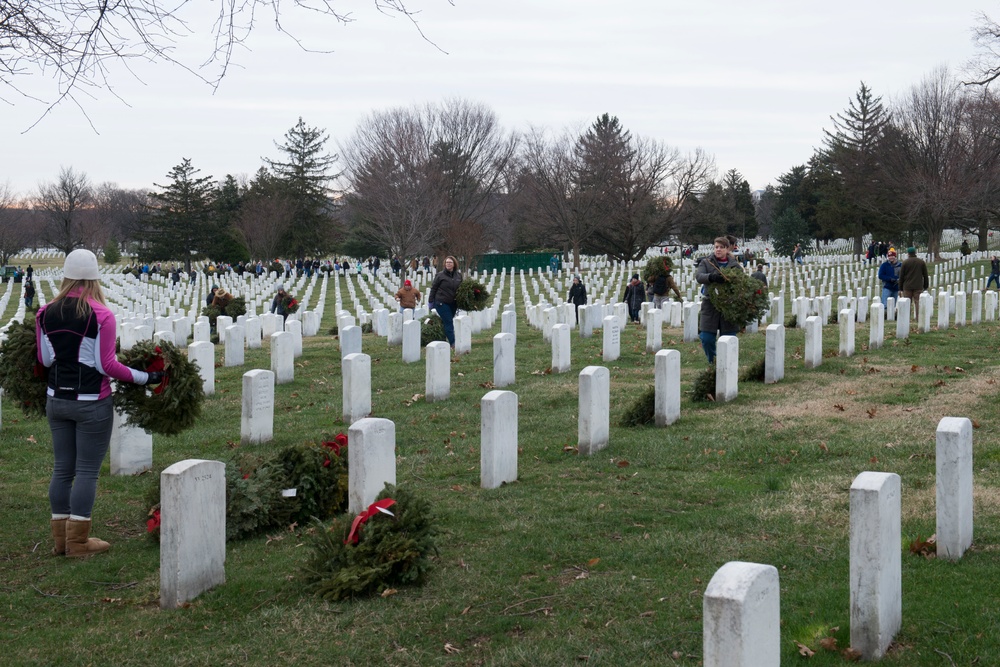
<point>839,407</point>
<point>593,561</point>
<point>623,463</point>
<point>851,654</point>
<point>647,614</point>
<point>389,591</point>
<point>31,439</point>
<point>805,650</point>
<point>828,643</point>
<point>450,648</point>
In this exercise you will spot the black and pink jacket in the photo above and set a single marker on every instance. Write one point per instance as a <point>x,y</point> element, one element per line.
<point>80,352</point>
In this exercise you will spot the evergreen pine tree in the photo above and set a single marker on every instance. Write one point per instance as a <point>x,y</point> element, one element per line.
<point>181,221</point>
<point>305,175</point>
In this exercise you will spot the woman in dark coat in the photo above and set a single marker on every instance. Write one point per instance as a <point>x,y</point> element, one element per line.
<point>635,294</point>
<point>442,296</point>
<point>711,323</point>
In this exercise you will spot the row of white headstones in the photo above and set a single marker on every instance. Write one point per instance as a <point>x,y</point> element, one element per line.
<point>191,564</point>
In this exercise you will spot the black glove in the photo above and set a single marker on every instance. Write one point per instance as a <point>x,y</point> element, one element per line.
<point>716,278</point>
<point>154,377</point>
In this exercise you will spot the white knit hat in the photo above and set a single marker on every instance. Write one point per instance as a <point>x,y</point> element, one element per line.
<point>81,264</point>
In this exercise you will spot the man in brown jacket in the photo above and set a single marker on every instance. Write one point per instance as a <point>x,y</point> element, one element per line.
<point>913,279</point>
<point>407,296</point>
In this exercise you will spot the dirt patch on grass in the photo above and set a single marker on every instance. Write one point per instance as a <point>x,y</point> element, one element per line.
<point>849,399</point>
<point>810,502</point>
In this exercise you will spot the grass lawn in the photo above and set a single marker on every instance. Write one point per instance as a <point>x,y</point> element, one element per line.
<point>598,560</point>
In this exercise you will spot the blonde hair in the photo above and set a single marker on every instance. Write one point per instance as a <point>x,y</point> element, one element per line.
<point>89,289</point>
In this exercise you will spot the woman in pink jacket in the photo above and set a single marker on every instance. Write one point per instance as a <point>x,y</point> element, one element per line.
<point>76,343</point>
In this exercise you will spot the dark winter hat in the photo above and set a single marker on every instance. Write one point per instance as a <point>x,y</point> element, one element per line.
<point>911,251</point>
<point>635,276</point>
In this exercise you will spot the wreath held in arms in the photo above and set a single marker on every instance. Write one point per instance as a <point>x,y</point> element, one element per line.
<point>471,295</point>
<point>656,267</point>
<point>171,406</point>
<point>741,299</point>
<point>290,304</point>
<point>23,379</point>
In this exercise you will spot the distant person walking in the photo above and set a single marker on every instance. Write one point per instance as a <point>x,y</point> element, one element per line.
<point>913,279</point>
<point>442,296</point>
<point>994,272</point>
<point>888,273</point>
<point>635,294</point>
<point>577,295</point>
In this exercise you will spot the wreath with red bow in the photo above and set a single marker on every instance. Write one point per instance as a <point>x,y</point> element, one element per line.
<point>388,544</point>
<point>170,407</point>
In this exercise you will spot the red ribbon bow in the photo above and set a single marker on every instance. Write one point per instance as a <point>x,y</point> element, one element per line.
<point>157,364</point>
<point>338,444</point>
<point>377,507</point>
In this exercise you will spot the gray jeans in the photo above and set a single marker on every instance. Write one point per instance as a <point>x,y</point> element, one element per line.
<point>81,433</point>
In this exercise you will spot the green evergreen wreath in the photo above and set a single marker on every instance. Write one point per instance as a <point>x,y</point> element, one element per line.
<point>22,378</point>
<point>656,267</point>
<point>170,407</point>
<point>642,411</point>
<point>290,304</point>
<point>319,476</point>
<point>471,295</point>
<point>236,307</point>
<point>431,330</point>
<point>391,550</point>
<point>741,299</point>
<point>704,386</point>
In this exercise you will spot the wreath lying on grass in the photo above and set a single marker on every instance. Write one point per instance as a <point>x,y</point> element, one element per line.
<point>389,544</point>
<point>171,406</point>
<point>656,267</point>
<point>704,386</point>
<point>431,330</point>
<point>22,378</point>
<point>741,299</point>
<point>642,411</point>
<point>259,490</point>
<point>471,295</point>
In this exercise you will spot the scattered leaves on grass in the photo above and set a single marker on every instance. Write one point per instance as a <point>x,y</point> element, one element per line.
<point>823,447</point>
<point>804,650</point>
<point>975,424</point>
<point>571,448</point>
<point>871,413</point>
<point>389,591</point>
<point>914,368</point>
<point>31,439</point>
<point>623,464</point>
<point>828,643</point>
<point>839,407</point>
<point>873,459</point>
<point>451,648</point>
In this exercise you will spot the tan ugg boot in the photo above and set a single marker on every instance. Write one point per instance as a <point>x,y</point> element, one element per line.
<point>59,536</point>
<point>78,542</point>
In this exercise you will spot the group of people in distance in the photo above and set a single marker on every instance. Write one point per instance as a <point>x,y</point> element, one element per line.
<point>907,278</point>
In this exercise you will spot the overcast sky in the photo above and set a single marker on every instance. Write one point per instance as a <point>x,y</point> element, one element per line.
<point>752,83</point>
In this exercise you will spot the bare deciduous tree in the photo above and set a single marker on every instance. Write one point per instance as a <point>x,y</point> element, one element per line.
<point>263,221</point>
<point>942,156</point>
<point>64,204</point>
<point>416,173</point>
<point>78,44</point>
<point>15,224</point>
<point>116,214</point>
<point>551,196</point>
